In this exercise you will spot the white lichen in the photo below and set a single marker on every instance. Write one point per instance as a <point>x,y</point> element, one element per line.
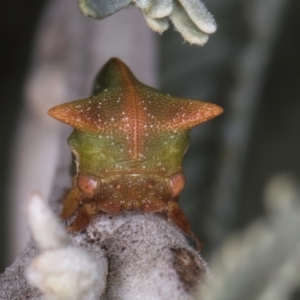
<point>190,17</point>
<point>61,271</point>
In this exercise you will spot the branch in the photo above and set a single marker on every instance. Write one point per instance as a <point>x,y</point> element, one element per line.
<point>148,258</point>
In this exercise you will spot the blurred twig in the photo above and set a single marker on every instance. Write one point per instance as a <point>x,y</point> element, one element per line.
<point>68,52</point>
<point>263,261</point>
<point>264,18</point>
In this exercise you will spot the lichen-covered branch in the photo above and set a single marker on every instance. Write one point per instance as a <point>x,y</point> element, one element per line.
<point>148,258</point>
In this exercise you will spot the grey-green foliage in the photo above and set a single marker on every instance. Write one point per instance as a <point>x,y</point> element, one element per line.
<point>190,17</point>
<point>101,8</point>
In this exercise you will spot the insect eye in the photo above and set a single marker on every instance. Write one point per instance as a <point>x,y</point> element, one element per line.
<point>86,185</point>
<point>177,183</point>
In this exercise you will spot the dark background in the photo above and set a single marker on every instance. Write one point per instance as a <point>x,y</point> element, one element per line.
<point>18,26</point>
<point>227,173</point>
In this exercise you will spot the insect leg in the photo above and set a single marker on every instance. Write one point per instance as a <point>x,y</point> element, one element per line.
<point>178,217</point>
<point>109,207</point>
<point>83,217</point>
<point>154,206</point>
<point>71,201</point>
